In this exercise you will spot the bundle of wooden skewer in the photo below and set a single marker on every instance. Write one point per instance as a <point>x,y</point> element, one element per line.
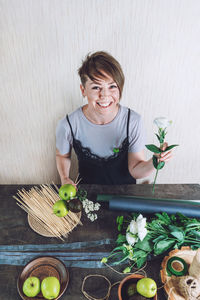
<point>38,203</point>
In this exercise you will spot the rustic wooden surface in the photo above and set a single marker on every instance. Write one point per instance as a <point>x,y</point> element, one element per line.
<point>15,230</point>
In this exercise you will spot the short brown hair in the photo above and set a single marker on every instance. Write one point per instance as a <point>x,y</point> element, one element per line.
<point>95,63</point>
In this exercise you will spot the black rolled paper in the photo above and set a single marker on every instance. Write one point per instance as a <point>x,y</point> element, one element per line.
<point>153,206</point>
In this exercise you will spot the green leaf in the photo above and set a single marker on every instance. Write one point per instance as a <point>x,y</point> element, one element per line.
<point>140,257</point>
<point>173,218</point>
<point>141,261</point>
<point>170,147</point>
<point>119,227</point>
<point>160,165</point>
<point>146,244</point>
<point>195,233</point>
<point>192,225</point>
<point>157,165</point>
<point>162,246</point>
<point>139,253</point>
<point>186,221</point>
<point>156,226</point>
<point>167,218</point>
<point>177,233</point>
<point>159,238</point>
<point>120,248</point>
<point>164,218</point>
<point>121,239</point>
<point>121,220</point>
<point>155,161</point>
<point>162,140</point>
<point>153,148</point>
<point>182,217</point>
<point>158,137</point>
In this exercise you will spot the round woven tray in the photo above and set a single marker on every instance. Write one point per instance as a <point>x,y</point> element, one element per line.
<point>37,227</point>
<point>187,254</point>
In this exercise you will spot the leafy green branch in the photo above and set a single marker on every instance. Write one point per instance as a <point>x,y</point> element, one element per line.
<point>164,232</point>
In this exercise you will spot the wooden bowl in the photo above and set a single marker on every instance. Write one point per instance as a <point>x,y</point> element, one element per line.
<point>133,278</point>
<point>42,267</point>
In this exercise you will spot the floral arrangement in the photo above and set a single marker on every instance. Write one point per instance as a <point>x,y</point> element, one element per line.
<point>89,206</point>
<point>162,124</point>
<point>139,239</point>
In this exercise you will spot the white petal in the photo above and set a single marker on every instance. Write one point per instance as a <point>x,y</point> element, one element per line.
<point>162,122</point>
<point>96,206</point>
<point>130,239</point>
<point>133,227</point>
<point>87,210</point>
<point>140,217</point>
<point>142,234</point>
<point>141,223</point>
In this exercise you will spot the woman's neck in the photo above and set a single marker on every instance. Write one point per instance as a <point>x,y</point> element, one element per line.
<point>99,119</point>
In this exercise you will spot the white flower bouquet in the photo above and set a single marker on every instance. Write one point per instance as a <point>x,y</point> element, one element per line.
<point>139,239</point>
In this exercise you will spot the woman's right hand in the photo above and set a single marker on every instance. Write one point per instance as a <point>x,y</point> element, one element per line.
<point>67,181</point>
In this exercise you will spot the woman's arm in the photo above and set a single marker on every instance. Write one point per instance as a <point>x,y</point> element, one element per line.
<point>137,165</point>
<point>63,163</point>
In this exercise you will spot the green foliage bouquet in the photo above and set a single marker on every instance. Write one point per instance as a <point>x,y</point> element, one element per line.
<point>162,124</point>
<point>139,239</point>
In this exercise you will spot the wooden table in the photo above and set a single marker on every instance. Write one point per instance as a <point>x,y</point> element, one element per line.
<point>16,231</point>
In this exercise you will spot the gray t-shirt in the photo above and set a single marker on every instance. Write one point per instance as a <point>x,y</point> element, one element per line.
<point>101,139</point>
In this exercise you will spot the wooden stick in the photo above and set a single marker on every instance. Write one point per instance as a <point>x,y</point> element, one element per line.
<point>76,178</point>
<point>78,181</point>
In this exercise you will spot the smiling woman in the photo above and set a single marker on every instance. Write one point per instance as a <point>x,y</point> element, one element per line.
<point>108,138</point>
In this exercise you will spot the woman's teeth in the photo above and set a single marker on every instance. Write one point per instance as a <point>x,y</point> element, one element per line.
<point>104,104</point>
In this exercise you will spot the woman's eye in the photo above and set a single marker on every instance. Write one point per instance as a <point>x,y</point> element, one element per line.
<point>113,86</point>
<point>95,88</point>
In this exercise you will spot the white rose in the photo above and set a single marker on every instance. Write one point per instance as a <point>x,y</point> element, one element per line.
<point>131,239</point>
<point>162,122</point>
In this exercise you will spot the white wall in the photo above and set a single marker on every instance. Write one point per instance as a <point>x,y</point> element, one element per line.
<point>42,44</point>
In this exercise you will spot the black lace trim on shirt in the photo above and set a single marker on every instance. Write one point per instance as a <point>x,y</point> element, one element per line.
<point>87,153</point>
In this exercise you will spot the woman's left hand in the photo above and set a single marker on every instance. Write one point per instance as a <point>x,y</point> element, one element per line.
<point>164,156</point>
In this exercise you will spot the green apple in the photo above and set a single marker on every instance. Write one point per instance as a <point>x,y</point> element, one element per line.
<point>31,286</point>
<point>50,287</point>
<point>67,191</point>
<point>60,208</point>
<point>146,287</point>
